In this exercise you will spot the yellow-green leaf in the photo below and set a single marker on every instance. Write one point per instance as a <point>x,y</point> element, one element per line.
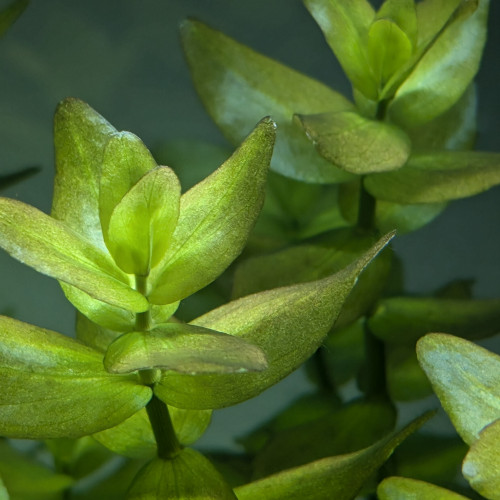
<point>402,488</point>
<point>184,349</point>
<point>288,324</point>
<point>53,386</point>
<point>216,217</point>
<point>142,223</point>
<point>54,249</point>
<point>355,143</point>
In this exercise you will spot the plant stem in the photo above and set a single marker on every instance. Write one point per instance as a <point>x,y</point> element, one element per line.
<point>163,429</point>
<point>375,380</point>
<point>366,210</point>
<point>143,319</point>
<point>166,439</point>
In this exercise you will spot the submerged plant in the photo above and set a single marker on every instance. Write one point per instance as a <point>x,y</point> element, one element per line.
<point>312,270</point>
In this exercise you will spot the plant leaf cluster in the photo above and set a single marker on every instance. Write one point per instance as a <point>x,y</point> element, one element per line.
<point>299,266</point>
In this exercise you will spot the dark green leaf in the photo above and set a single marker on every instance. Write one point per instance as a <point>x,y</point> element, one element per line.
<point>142,223</point>
<point>345,24</point>
<point>53,248</point>
<point>288,324</point>
<point>482,464</point>
<point>404,320</point>
<point>437,177</point>
<point>339,477</point>
<point>348,429</point>
<point>9,14</point>
<point>239,86</point>
<point>314,260</point>
<point>53,386</point>
<point>402,488</point>
<point>355,143</point>
<point>216,217</point>
<point>184,349</point>
<point>305,409</point>
<point>433,458</point>
<point>406,381</point>
<point>187,475</point>
<point>465,379</point>
<point>27,479</point>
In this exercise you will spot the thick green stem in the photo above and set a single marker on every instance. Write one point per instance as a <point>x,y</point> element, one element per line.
<point>166,439</point>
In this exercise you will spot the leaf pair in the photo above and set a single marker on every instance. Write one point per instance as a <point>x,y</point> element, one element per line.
<point>115,214</point>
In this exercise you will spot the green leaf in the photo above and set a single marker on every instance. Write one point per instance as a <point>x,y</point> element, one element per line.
<point>77,457</point>
<point>107,317</point>
<point>355,143</point>
<point>348,429</point>
<point>125,160</point>
<point>433,458</point>
<point>465,379</point>
<point>53,386</point>
<point>345,24</point>
<point>482,463</point>
<point>216,217</point>
<point>187,475</point>
<point>404,14</point>
<point>402,488</point>
<point>184,349</point>
<point>9,14</point>
<point>406,381</point>
<point>454,129</point>
<point>404,320</point>
<point>316,259</point>
<point>288,324</point>
<point>26,479</point>
<point>54,249</point>
<point>446,68</point>
<point>432,16</point>
<point>142,223</point>
<point>80,136</point>
<point>437,177</point>
<point>389,48</point>
<point>4,494</point>
<point>134,437</point>
<point>339,477</point>
<point>239,86</point>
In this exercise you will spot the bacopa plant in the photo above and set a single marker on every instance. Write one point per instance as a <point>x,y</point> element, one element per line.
<point>310,267</point>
